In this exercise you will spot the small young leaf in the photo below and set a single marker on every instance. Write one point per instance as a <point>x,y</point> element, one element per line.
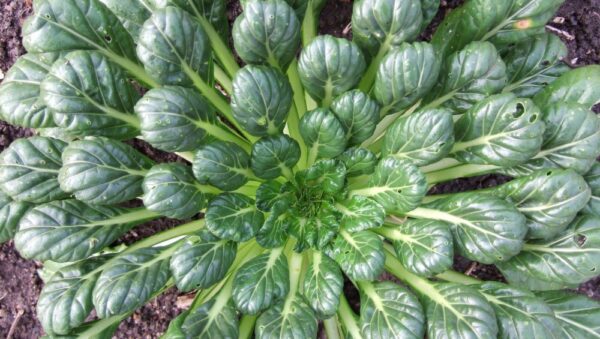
<point>593,180</point>
<point>290,319</point>
<point>11,213</point>
<point>358,113</point>
<point>131,280</point>
<point>273,156</point>
<point>577,314</point>
<point>261,282</point>
<point>580,85</point>
<point>323,284</point>
<point>213,319</point>
<point>268,194</point>
<point>172,191</point>
<point>358,161</point>
<point>360,255</point>
<point>423,137</point>
<point>330,66</point>
<point>224,165</point>
<point>360,213</point>
<point>102,171</point>
<point>261,100</point>
<point>233,216</point>
<point>29,169</point>
<point>323,133</point>
<point>274,232</point>
<point>326,175</point>
<point>318,231</point>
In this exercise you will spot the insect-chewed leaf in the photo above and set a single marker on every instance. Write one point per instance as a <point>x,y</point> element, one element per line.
<point>580,85</point>
<point>593,180</point>
<point>423,246</point>
<point>261,99</point>
<point>176,119</point>
<point>565,261</point>
<point>172,191</point>
<point>571,141</point>
<point>486,229</point>
<point>577,314</point>
<point>458,311</point>
<point>323,284</point>
<point>358,113</point>
<point>169,59</point>
<point>200,263</point>
<point>131,280</point>
<point>330,66</point>
<point>102,171</point>
<point>388,310</point>
<point>67,25</point>
<point>215,11</point>
<point>29,169</point>
<point>11,213</point>
<point>323,133</point>
<point>360,254</point>
<point>520,313</point>
<point>397,184</point>
<point>327,175</point>
<point>534,63</point>
<point>360,213</point>
<point>20,102</point>
<point>501,130</point>
<point>273,156</point>
<point>405,75</point>
<point>69,230</point>
<point>214,319</point>
<point>469,76</point>
<point>274,232</point>
<point>423,137</point>
<point>384,24</point>
<point>267,32</point>
<point>549,199</point>
<point>261,282</point>
<point>132,13</point>
<point>222,164</point>
<point>358,161</point>
<point>66,299</point>
<point>89,95</point>
<point>290,319</point>
<point>233,216</point>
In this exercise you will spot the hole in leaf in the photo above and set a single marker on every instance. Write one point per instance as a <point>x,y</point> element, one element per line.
<point>533,118</point>
<point>108,38</point>
<point>47,16</point>
<point>519,110</point>
<point>549,173</point>
<point>593,269</point>
<point>580,239</point>
<point>545,63</point>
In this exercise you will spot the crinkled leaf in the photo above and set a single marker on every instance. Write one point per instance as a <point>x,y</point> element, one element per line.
<point>274,232</point>
<point>267,194</point>
<point>233,216</point>
<point>215,318</point>
<point>169,59</point>
<point>405,75</point>
<point>267,32</point>
<point>382,24</point>
<point>261,99</point>
<point>273,156</point>
<point>360,254</point>
<point>565,261</point>
<point>176,119</point>
<point>577,314</point>
<point>131,280</point>
<point>358,113</point>
<point>593,180</point>
<point>102,171</point>
<point>131,13</point>
<point>323,284</point>
<point>29,169</point>
<point>534,63</point>
<point>69,230</point>
<point>330,66</point>
<point>222,164</point>
<point>423,137</point>
<point>200,263</point>
<point>11,213</point>
<point>520,313</point>
<point>458,311</point>
<point>550,200</point>
<point>319,230</point>
<point>326,175</point>
<point>172,191</point>
<point>360,213</point>
<point>290,319</point>
<point>358,161</point>
<point>397,184</point>
<point>261,282</point>
<point>215,11</point>
<point>388,310</point>
<point>502,130</point>
<point>323,133</point>
<point>423,246</point>
<point>20,102</point>
<point>580,85</point>
<point>486,229</point>
<point>469,76</point>
<point>90,95</point>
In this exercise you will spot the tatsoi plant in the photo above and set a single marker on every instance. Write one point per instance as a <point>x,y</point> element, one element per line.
<point>306,170</point>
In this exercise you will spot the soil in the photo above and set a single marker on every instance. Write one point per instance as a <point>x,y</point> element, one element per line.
<point>577,23</point>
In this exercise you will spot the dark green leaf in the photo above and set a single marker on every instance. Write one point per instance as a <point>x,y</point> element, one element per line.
<point>581,85</point>
<point>429,9</point>
<point>215,11</point>
<point>131,13</point>
<point>273,156</point>
<point>360,255</point>
<point>323,284</point>
<point>326,175</point>
<point>267,194</point>
<point>290,319</point>
<point>274,232</point>
<point>11,213</point>
<point>593,180</point>
<point>233,216</point>
<point>323,133</point>
<point>358,113</point>
<point>360,213</point>
<point>358,161</point>
<point>222,164</point>
<point>577,314</point>
<point>318,231</point>
<point>216,319</point>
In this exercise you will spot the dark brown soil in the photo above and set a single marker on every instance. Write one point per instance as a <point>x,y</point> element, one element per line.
<point>578,23</point>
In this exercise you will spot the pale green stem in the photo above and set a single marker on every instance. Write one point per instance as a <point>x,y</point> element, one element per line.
<point>348,318</point>
<point>332,328</point>
<point>309,24</point>
<point>293,127</point>
<point>368,78</point>
<point>247,326</point>
<point>296,84</point>
<point>223,79</point>
<point>220,48</point>
<point>457,277</point>
<point>462,171</point>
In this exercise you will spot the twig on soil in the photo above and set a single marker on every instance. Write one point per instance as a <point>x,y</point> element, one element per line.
<point>3,296</point>
<point>471,268</point>
<point>13,326</point>
<point>347,29</point>
<point>567,35</point>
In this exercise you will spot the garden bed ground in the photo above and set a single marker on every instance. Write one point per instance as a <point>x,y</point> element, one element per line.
<point>577,23</point>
